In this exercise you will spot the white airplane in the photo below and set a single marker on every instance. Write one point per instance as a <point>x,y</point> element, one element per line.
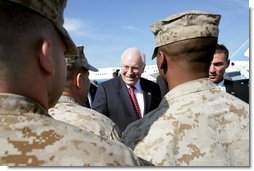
<point>238,69</point>
<point>239,63</point>
<point>150,73</point>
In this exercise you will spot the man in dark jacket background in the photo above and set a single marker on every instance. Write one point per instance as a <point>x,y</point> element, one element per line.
<point>217,69</point>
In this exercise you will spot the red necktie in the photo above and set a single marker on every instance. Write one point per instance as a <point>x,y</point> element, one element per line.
<point>135,102</point>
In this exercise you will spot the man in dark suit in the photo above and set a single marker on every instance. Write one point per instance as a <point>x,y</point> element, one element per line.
<point>217,69</point>
<point>91,94</point>
<point>113,99</point>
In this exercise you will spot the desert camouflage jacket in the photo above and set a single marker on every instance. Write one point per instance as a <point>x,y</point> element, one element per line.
<point>67,110</point>
<point>30,137</point>
<point>196,124</point>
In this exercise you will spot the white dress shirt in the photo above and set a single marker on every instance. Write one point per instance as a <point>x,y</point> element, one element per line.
<point>140,97</point>
<point>222,86</point>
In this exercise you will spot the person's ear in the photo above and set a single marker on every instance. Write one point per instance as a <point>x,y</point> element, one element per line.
<point>162,61</point>
<point>45,57</point>
<point>79,80</point>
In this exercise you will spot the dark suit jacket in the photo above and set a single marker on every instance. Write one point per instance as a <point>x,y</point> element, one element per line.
<point>113,100</point>
<point>238,89</point>
<point>92,91</point>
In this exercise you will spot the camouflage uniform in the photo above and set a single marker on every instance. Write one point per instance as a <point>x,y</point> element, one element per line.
<point>30,137</point>
<point>196,124</point>
<point>52,10</point>
<point>67,110</point>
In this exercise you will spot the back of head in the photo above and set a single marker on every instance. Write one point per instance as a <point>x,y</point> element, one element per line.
<point>53,11</point>
<point>76,64</point>
<point>196,50</point>
<point>26,26</point>
<point>77,84</point>
<point>190,35</point>
<point>21,32</point>
<point>78,61</point>
<point>23,25</point>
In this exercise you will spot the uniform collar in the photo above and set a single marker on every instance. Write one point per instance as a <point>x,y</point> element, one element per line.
<point>19,105</point>
<point>66,99</point>
<point>192,87</point>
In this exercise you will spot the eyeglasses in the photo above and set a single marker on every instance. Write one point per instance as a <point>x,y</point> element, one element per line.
<point>127,68</point>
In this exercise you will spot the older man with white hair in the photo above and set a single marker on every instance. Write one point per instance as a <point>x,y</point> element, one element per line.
<point>128,97</point>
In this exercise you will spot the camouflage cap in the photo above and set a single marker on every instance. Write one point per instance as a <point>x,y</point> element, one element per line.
<point>183,26</point>
<point>79,61</point>
<point>52,10</point>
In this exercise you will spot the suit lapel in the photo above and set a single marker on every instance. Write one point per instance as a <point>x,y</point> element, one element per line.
<point>124,94</point>
<point>125,97</point>
<point>229,87</point>
<point>147,96</point>
<point>118,84</point>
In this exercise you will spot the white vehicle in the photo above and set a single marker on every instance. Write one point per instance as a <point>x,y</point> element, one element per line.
<point>150,73</point>
<point>238,69</point>
<point>239,64</point>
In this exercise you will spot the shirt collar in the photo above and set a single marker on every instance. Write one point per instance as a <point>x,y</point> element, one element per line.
<point>221,84</point>
<point>137,86</point>
<point>17,104</point>
<point>191,87</point>
<point>66,99</point>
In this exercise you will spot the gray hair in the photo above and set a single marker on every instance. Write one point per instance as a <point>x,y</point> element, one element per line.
<point>143,57</point>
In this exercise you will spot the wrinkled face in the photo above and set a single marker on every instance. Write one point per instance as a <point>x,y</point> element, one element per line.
<point>132,67</point>
<point>217,68</point>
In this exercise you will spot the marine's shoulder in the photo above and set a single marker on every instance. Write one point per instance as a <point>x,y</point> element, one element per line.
<point>38,132</point>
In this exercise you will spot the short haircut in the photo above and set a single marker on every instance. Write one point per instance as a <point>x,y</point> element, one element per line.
<point>220,48</point>
<point>192,50</point>
<point>21,30</point>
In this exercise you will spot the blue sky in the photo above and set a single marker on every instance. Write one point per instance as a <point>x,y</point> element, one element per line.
<point>107,27</point>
